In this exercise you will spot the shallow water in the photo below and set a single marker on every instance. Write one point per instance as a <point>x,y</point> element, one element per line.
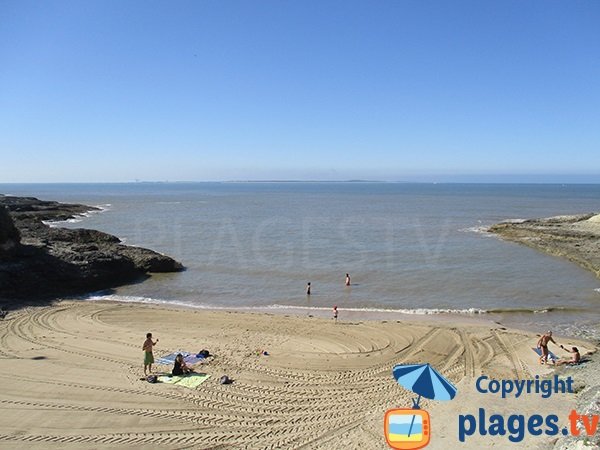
<point>416,248</point>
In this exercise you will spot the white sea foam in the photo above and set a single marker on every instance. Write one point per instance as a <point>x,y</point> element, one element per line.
<point>58,223</point>
<point>147,300</point>
<point>102,208</point>
<point>514,220</point>
<point>408,311</point>
<point>156,301</point>
<point>78,217</point>
<point>483,230</point>
<point>415,311</point>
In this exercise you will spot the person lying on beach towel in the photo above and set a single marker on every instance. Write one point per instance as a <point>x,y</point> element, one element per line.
<point>575,358</point>
<point>180,367</point>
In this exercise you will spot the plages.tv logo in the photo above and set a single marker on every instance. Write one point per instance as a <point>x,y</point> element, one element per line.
<point>410,428</point>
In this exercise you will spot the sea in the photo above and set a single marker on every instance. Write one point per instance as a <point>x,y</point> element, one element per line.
<point>409,248</point>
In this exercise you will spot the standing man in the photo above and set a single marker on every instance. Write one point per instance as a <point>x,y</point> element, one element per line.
<point>308,288</point>
<point>347,280</point>
<point>148,355</point>
<point>543,346</point>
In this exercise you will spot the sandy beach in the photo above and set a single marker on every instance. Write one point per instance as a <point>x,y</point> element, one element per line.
<point>71,378</point>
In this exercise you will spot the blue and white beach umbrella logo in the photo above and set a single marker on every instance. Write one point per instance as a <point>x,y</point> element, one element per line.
<point>410,428</point>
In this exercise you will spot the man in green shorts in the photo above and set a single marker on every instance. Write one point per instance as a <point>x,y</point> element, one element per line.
<point>148,356</point>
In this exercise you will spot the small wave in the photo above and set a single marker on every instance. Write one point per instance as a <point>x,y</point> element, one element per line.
<point>147,300</point>
<point>514,221</point>
<point>478,229</point>
<point>157,301</point>
<point>58,223</point>
<point>78,217</point>
<point>104,207</point>
<point>546,310</point>
<point>408,311</point>
<point>415,311</point>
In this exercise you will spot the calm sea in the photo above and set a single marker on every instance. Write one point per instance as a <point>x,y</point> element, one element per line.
<point>414,248</point>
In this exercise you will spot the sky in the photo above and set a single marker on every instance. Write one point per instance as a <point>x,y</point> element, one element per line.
<point>117,91</point>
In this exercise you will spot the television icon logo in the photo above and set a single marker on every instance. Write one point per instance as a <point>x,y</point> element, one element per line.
<point>407,428</point>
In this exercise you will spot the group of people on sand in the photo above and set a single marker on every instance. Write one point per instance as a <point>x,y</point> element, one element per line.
<point>542,344</point>
<point>179,365</point>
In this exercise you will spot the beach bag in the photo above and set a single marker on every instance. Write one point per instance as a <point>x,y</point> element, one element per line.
<point>203,354</point>
<point>225,380</point>
<point>151,378</point>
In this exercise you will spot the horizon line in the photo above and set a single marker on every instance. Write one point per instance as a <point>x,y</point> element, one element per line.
<point>291,181</point>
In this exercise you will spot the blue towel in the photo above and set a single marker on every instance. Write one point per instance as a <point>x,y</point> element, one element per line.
<point>189,358</point>
<point>550,354</point>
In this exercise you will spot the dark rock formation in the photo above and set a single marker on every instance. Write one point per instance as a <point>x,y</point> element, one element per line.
<point>9,235</point>
<point>39,261</point>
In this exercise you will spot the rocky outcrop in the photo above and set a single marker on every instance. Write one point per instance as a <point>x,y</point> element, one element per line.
<point>576,238</point>
<point>39,261</point>
<point>10,237</point>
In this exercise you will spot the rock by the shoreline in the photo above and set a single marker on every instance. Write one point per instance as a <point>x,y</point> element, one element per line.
<point>39,261</point>
<point>10,237</point>
<point>576,237</point>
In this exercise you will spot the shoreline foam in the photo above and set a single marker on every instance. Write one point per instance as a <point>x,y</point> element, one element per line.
<point>493,317</point>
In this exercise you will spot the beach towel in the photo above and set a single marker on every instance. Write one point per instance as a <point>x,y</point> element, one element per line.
<point>192,381</point>
<point>189,358</point>
<point>577,365</point>
<point>551,356</point>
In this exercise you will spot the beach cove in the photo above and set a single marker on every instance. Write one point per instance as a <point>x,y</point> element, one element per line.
<point>300,380</point>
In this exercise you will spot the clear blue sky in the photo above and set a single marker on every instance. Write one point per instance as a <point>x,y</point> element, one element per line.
<point>221,90</point>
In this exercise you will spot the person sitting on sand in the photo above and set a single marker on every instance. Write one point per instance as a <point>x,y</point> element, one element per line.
<point>148,355</point>
<point>575,359</point>
<point>543,346</point>
<point>180,367</point>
